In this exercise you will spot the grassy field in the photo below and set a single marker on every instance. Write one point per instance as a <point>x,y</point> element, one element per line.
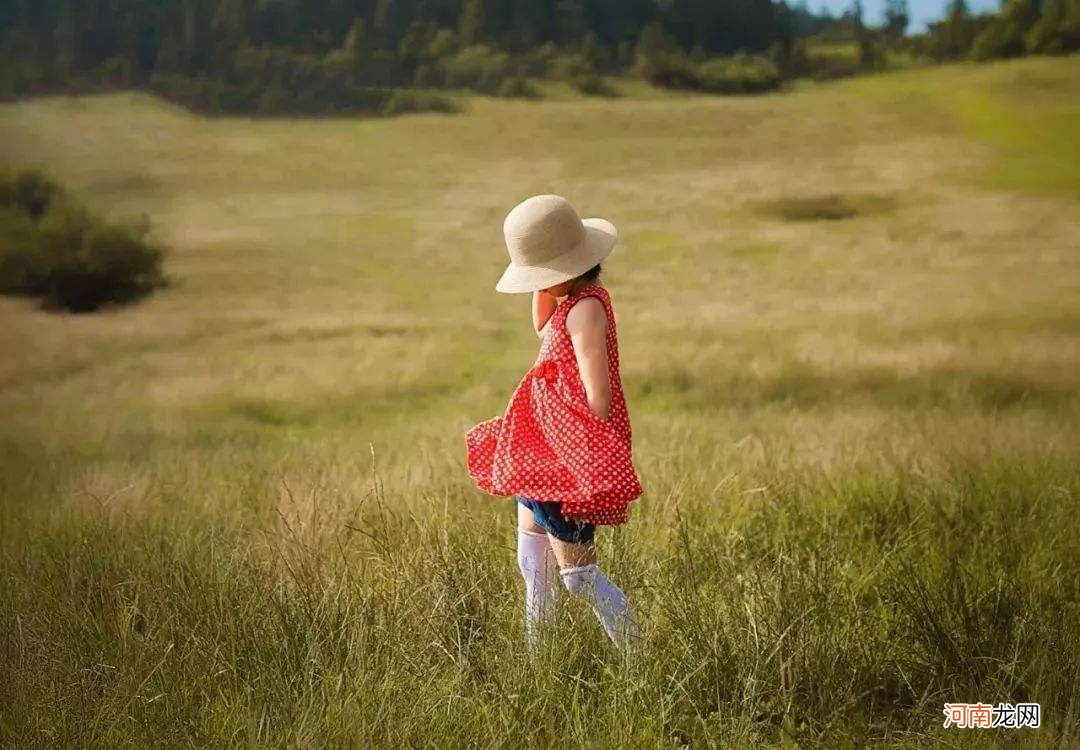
<point>237,514</point>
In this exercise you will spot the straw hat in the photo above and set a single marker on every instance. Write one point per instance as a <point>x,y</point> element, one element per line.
<point>549,244</point>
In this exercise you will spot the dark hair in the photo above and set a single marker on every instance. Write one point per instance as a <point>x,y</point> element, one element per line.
<point>592,274</point>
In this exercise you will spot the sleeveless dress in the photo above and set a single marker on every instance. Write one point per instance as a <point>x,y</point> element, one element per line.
<point>549,444</point>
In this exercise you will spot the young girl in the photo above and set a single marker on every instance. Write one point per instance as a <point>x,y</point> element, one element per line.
<point>563,446</point>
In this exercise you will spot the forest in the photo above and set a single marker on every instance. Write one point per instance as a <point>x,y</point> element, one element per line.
<point>389,56</point>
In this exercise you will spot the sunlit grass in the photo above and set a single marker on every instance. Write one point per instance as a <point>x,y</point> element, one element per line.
<point>1026,116</point>
<point>1037,145</point>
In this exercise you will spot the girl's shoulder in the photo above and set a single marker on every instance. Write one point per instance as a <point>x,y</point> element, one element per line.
<point>589,307</point>
<point>587,311</point>
<point>591,291</point>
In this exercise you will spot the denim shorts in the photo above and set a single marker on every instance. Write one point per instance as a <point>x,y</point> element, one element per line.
<point>549,517</point>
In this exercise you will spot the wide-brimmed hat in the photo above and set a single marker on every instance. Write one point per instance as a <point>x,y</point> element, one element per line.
<point>549,244</point>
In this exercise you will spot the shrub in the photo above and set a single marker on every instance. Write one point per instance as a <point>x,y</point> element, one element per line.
<point>567,67</point>
<point>738,74</point>
<point>68,257</point>
<point>428,76</point>
<point>517,87</point>
<point>402,101</point>
<point>669,70</point>
<point>826,60</point>
<point>200,94</point>
<point>538,60</point>
<point>578,71</point>
<point>442,44</point>
<point>478,67</point>
<point>28,191</point>
<point>591,84</point>
<point>117,72</point>
<point>20,269</point>
<point>273,100</point>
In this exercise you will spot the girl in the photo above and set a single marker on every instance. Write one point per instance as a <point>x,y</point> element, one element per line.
<point>563,446</point>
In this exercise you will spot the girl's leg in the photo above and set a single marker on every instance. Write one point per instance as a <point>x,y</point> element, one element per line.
<point>538,567</point>
<point>584,579</point>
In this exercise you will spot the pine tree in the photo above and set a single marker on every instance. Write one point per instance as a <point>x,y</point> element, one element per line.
<point>388,23</point>
<point>653,42</point>
<point>471,26</point>
<point>896,18</point>
<point>65,42</point>
<point>862,36</point>
<point>1058,29</point>
<point>355,41</point>
<point>953,36</point>
<point>783,45</point>
<point>571,20</point>
<point>230,26</point>
<point>1005,36</point>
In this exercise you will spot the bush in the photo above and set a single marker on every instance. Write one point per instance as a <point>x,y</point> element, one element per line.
<point>578,71</point>
<point>738,75</point>
<point>669,70</point>
<point>403,101</point>
<point>568,66</point>
<point>20,250</point>
<point>538,60</point>
<point>478,67</point>
<point>66,256</point>
<point>428,76</point>
<point>720,75</point>
<point>517,87</point>
<point>117,72</point>
<point>28,191</point>
<point>825,60</point>
<point>591,84</point>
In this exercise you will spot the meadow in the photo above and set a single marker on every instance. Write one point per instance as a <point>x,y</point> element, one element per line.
<point>236,514</point>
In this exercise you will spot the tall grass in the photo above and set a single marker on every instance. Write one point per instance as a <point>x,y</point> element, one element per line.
<point>821,609</point>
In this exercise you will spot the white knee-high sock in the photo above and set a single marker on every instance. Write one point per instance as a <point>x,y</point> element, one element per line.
<point>607,601</point>
<point>538,567</point>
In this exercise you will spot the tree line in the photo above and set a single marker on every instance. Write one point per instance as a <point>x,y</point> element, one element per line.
<point>315,56</point>
<point>1020,27</point>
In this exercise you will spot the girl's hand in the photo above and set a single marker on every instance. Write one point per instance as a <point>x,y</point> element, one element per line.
<point>587,325</point>
<point>543,305</point>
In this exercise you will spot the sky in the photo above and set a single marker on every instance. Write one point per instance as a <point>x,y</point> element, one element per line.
<point>921,11</point>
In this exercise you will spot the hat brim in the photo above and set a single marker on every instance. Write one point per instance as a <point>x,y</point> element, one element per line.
<point>600,239</point>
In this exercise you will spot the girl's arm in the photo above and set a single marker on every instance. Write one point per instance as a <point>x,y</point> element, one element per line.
<point>587,325</point>
<point>543,305</point>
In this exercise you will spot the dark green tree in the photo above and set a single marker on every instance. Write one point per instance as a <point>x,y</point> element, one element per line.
<point>952,38</point>
<point>391,19</point>
<point>1006,34</point>
<point>896,18</point>
<point>471,26</point>
<point>1058,29</point>
<point>571,22</point>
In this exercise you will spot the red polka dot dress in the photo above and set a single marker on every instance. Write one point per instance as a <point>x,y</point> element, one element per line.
<point>549,445</point>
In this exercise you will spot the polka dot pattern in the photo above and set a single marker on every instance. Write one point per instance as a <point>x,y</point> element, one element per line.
<point>549,445</point>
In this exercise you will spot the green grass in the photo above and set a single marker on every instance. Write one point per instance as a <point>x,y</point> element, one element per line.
<point>1027,118</point>
<point>236,514</point>
<point>1038,144</point>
